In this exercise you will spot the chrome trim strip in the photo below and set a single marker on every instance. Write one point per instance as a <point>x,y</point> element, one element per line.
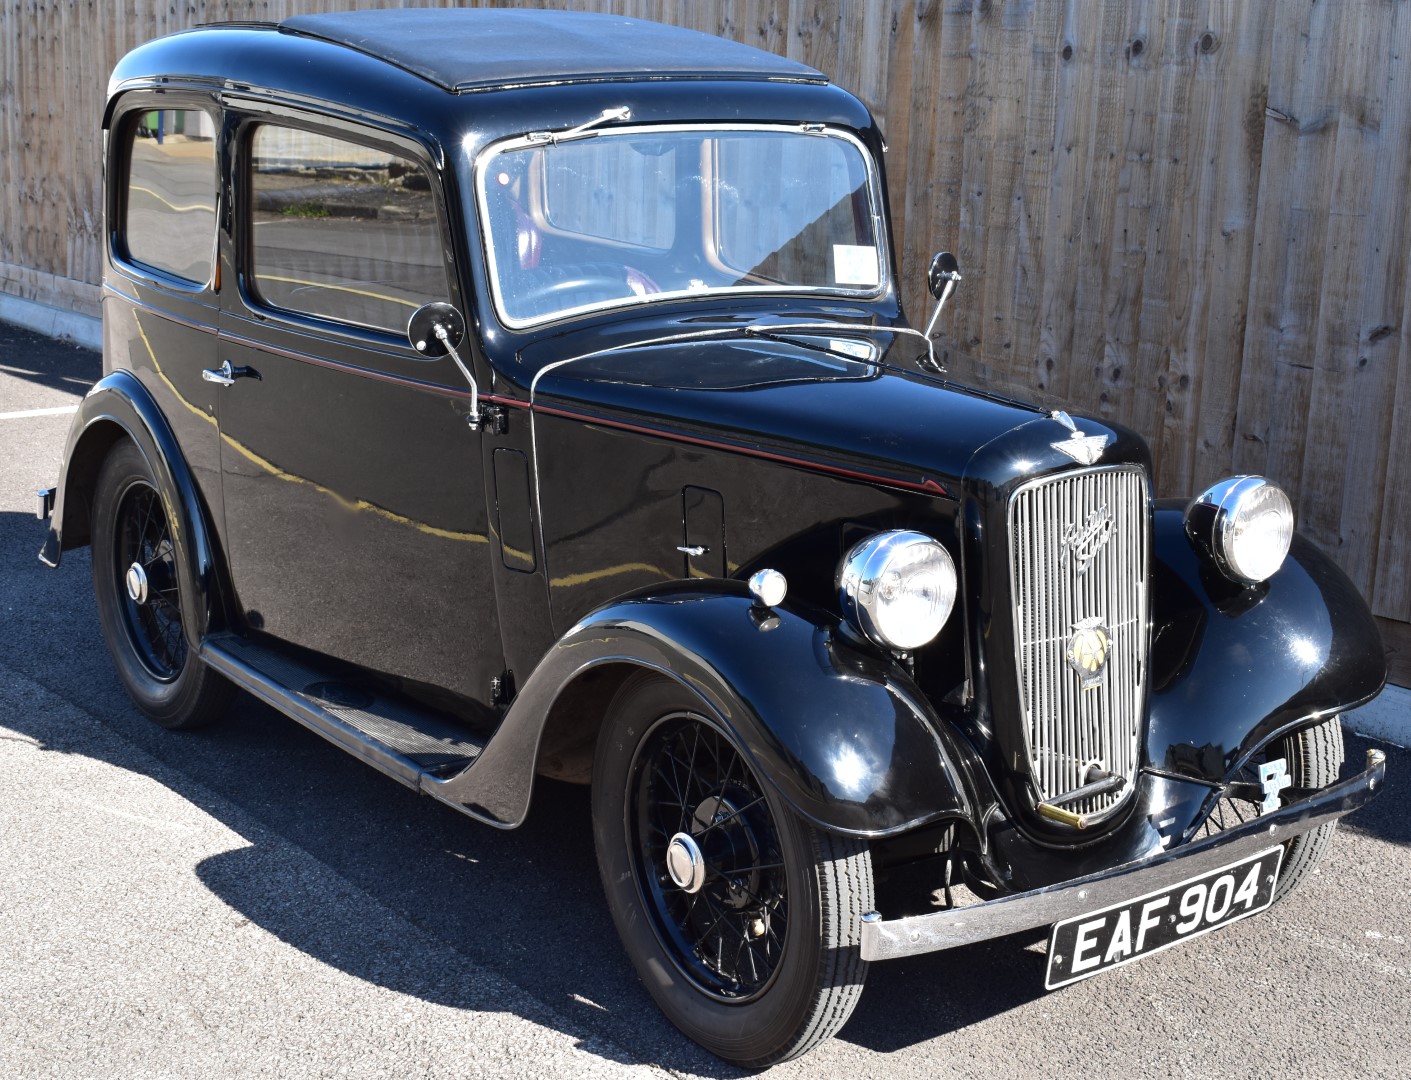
<point>887,940</point>
<point>634,77</point>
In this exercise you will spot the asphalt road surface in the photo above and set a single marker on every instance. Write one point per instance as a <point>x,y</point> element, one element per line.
<point>249,901</point>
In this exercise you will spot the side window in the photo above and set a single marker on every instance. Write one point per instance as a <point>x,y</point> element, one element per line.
<point>341,231</point>
<point>169,217</point>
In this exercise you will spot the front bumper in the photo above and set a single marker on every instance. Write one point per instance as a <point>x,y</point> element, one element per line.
<point>887,939</point>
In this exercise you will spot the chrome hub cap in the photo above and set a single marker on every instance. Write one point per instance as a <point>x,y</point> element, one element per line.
<point>684,863</point>
<point>136,579</point>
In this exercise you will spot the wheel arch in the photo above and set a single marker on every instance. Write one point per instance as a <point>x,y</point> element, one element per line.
<point>841,733</point>
<point>1234,667</point>
<point>570,732</point>
<point>118,407</point>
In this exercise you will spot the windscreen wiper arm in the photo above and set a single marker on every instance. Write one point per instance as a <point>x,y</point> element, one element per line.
<point>783,330</point>
<point>583,130</point>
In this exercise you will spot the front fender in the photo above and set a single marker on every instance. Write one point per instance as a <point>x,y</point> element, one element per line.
<point>119,406</point>
<point>839,731</point>
<point>1234,666</point>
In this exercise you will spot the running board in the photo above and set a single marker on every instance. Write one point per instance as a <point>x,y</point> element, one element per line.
<point>415,746</point>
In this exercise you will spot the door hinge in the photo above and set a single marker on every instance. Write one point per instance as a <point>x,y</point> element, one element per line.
<point>496,419</point>
<point>502,689</point>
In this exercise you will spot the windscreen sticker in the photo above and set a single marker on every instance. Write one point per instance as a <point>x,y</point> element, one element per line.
<point>855,264</point>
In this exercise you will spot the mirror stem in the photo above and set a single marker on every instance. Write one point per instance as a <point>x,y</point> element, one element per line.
<point>444,337</point>
<point>951,278</point>
<point>941,303</point>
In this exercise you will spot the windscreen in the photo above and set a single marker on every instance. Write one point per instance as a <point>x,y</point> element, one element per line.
<point>629,216</point>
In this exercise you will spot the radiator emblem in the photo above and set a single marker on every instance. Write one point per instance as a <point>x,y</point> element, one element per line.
<point>1087,651</point>
<point>1082,541</point>
<point>1084,449</point>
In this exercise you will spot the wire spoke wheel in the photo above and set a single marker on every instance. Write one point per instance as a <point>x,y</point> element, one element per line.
<point>742,919</point>
<point>153,613</point>
<point>138,585</point>
<point>1312,758</point>
<point>727,933</point>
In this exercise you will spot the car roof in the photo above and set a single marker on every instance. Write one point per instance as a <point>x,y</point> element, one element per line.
<point>465,50</point>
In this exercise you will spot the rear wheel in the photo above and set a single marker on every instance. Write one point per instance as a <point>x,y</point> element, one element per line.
<point>743,920</point>
<point>138,588</point>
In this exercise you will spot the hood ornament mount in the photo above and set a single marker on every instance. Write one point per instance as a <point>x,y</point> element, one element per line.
<point>1084,449</point>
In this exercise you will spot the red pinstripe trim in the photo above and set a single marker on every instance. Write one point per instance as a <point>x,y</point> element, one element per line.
<point>928,486</point>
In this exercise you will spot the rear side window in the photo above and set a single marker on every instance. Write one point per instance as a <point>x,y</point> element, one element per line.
<point>342,231</point>
<point>169,218</point>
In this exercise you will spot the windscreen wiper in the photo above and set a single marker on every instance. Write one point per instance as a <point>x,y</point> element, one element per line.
<point>784,330</point>
<point>583,130</point>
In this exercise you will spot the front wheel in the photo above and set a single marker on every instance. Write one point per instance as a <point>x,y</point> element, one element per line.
<point>137,583</point>
<point>743,920</point>
<point>1312,760</point>
<point>1314,756</point>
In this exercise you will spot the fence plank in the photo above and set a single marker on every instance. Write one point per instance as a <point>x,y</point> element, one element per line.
<point>1229,104</point>
<point>1370,355</point>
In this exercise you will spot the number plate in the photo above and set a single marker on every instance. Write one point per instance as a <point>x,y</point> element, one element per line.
<point>1089,944</point>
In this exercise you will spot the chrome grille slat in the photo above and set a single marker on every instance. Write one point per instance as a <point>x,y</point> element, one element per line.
<point>1067,727</point>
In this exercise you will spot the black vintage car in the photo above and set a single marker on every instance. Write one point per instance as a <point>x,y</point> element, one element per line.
<point>504,393</point>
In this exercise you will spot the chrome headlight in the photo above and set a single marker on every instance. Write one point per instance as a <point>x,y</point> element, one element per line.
<point>1246,523</point>
<point>897,588</point>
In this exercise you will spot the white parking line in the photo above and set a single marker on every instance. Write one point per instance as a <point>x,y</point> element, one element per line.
<point>27,413</point>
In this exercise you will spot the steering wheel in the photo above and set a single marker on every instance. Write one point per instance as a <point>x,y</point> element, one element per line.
<point>584,285</point>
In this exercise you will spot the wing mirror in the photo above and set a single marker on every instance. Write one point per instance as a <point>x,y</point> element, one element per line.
<point>943,275</point>
<point>435,330</point>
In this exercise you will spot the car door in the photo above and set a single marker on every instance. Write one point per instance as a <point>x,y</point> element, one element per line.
<point>355,513</point>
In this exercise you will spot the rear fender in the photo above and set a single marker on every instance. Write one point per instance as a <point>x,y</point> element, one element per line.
<point>840,732</point>
<point>118,407</point>
<point>1234,666</point>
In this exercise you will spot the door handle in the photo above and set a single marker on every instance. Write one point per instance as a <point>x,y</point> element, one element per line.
<point>225,375</point>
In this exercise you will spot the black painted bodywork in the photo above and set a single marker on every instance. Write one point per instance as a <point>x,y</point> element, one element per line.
<point>341,504</point>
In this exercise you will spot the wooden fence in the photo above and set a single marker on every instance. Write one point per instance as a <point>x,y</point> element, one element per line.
<point>1189,216</point>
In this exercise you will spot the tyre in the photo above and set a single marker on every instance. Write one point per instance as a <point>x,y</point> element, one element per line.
<point>743,920</point>
<point>1313,758</point>
<point>137,584</point>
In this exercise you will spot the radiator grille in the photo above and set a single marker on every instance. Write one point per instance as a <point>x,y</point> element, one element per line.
<point>1078,569</point>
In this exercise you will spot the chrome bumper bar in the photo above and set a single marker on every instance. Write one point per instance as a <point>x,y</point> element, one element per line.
<point>888,939</point>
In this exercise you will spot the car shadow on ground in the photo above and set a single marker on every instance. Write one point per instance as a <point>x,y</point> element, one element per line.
<point>422,899</point>
<point>55,365</point>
